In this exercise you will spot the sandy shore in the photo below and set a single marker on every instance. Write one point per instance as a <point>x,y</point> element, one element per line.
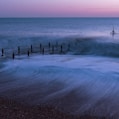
<point>10,109</point>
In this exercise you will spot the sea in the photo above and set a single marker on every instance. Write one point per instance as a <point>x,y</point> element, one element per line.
<point>82,80</point>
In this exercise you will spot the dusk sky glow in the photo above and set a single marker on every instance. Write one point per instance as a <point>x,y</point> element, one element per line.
<point>59,8</point>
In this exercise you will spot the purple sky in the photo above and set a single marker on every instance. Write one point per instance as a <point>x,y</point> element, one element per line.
<point>59,8</point>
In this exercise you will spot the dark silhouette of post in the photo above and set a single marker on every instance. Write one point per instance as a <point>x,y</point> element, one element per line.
<point>56,45</point>
<point>43,51</point>
<point>49,45</point>
<point>28,53</point>
<point>53,49</point>
<point>61,50</point>
<point>18,50</point>
<point>113,32</point>
<point>2,52</point>
<point>13,55</point>
<point>31,49</point>
<point>40,47</point>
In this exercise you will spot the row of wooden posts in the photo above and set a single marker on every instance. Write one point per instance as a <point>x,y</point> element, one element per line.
<point>42,49</point>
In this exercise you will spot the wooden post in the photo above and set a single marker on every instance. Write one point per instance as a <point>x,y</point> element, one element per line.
<point>61,48</point>
<point>13,55</point>
<point>28,53</point>
<point>2,52</point>
<point>43,51</point>
<point>49,45</point>
<point>56,45</point>
<point>40,47</point>
<point>31,49</point>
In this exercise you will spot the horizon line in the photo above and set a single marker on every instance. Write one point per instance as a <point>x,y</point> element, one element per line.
<point>64,17</point>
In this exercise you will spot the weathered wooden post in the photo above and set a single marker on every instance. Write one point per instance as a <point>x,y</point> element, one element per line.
<point>18,50</point>
<point>28,53</point>
<point>43,51</point>
<point>31,49</point>
<point>49,45</point>
<point>2,52</point>
<point>40,47</point>
<point>61,49</point>
<point>13,55</point>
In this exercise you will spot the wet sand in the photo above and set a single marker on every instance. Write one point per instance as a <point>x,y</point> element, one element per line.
<point>10,109</point>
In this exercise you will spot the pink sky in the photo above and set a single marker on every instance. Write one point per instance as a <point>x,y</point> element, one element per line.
<point>59,8</point>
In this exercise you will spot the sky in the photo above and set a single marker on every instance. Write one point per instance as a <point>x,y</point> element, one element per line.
<point>59,8</point>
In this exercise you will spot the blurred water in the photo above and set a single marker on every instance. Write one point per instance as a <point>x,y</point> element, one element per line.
<point>57,26</point>
<point>46,28</point>
<point>74,84</point>
<point>23,32</point>
<point>83,81</point>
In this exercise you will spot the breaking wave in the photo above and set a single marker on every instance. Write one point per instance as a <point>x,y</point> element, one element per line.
<point>99,46</point>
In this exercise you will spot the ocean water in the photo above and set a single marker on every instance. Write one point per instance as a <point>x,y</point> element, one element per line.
<point>83,80</point>
<point>24,32</point>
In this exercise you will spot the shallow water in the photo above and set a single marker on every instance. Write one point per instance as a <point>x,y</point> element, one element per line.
<point>75,84</point>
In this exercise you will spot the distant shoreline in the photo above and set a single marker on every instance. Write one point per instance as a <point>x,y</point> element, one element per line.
<point>58,17</point>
